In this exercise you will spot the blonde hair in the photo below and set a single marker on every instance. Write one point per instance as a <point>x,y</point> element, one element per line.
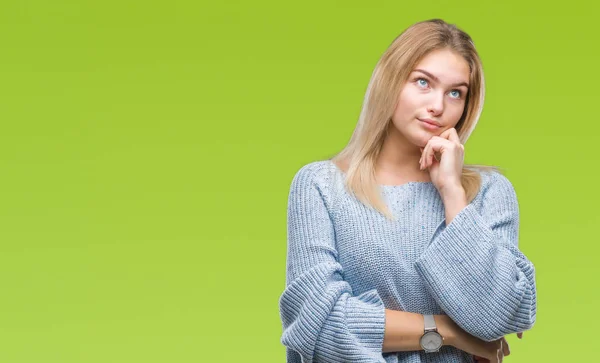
<point>389,75</point>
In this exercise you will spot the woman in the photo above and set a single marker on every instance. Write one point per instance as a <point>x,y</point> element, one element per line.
<point>397,252</point>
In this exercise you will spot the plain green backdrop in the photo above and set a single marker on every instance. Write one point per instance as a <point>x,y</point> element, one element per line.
<point>147,150</point>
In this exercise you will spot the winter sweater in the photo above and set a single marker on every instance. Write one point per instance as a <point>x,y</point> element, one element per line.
<point>346,263</point>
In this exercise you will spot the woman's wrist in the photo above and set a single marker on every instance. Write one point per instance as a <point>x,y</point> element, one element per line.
<point>455,200</point>
<point>447,329</point>
<point>453,194</point>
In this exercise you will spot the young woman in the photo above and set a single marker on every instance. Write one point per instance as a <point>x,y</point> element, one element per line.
<point>397,251</point>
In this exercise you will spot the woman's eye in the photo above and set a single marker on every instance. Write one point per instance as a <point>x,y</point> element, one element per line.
<point>422,82</point>
<point>456,94</point>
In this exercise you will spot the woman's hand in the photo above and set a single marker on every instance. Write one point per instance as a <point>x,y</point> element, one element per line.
<point>507,350</point>
<point>501,353</point>
<point>487,352</point>
<point>445,170</point>
<point>482,351</point>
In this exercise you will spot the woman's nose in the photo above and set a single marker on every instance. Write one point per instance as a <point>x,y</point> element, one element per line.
<point>436,105</point>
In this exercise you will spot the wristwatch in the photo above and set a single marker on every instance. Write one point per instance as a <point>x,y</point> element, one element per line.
<point>431,340</point>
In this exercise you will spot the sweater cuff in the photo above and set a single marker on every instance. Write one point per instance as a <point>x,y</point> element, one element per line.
<point>474,280</point>
<point>362,340</point>
<point>455,244</point>
<point>457,258</point>
<point>366,320</point>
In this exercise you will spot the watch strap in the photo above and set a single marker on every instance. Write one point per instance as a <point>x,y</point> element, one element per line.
<point>429,322</point>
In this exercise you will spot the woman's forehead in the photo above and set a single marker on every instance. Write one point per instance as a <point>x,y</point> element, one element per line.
<point>444,66</point>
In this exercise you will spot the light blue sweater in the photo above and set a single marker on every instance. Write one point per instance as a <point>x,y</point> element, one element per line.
<point>346,263</point>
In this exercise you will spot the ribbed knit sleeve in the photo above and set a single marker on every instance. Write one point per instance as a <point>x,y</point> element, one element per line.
<point>475,270</point>
<point>322,319</point>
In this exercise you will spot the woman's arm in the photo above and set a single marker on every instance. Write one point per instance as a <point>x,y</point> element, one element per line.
<point>323,319</point>
<point>454,201</point>
<point>475,270</point>
<point>403,330</point>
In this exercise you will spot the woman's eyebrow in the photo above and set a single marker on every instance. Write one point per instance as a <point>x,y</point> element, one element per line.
<point>437,79</point>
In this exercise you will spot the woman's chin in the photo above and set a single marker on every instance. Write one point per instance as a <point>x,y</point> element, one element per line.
<point>423,140</point>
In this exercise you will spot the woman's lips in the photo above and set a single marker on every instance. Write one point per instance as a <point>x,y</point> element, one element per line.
<point>429,125</point>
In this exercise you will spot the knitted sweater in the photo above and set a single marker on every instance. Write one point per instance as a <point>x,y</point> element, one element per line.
<point>347,263</point>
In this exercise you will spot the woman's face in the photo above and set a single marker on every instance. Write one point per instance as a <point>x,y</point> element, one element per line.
<point>435,91</point>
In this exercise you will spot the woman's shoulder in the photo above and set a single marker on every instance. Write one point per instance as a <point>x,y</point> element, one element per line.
<point>322,176</point>
<point>495,185</point>
<point>319,171</point>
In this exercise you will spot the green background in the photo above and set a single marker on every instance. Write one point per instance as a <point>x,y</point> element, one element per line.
<point>147,150</point>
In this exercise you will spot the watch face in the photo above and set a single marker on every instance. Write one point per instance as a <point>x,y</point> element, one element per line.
<point>431,341</point>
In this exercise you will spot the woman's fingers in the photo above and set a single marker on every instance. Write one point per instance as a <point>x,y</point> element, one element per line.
<point>505,347</point>
<point>453,135</point>
<point>433,150</point>
<point>500,350</point>
<point>494,352</point>
<point>437,145</point>
<point>427,154</point>
<point>430,158</point>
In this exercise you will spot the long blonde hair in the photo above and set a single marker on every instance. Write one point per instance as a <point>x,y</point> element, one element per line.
<point>391,72</point>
